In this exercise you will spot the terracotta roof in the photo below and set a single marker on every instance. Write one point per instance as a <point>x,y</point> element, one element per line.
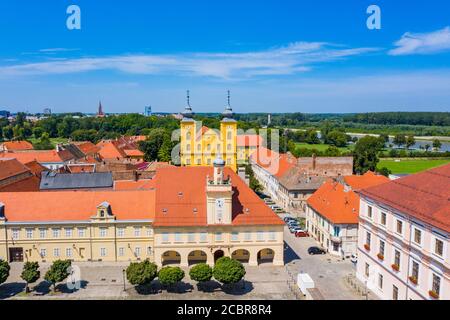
<point>10,168</point>
<point>249,140</point>
<point>76,205</point>
<point>87,147</point>
<point>29,184</point>
<point>425,196</point>
<point>335,204</point>
<point>296,179</point>
<point>36,168</point>
<point>41,156</point>
<point>181,199</point>
<point>156,165</point>
<point>144,184</point>
<point>17,145</point>
<point>78,168</point>
<point>367,180</point>
<point>109,150</point>
<point>133,152</point>
<point>273,162</point>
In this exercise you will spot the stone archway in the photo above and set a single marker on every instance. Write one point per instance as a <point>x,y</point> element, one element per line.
<point>170,257</point>
<point>266,256</point>
<point>218,254</point>
<point>241,255</point>
<point>197,256</point>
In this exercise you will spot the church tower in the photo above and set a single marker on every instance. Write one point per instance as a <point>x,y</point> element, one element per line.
<point>228,133</point>
<point>187,135</point>
<point>219,194</point>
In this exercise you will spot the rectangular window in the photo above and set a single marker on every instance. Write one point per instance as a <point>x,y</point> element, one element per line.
<point>165,237</point>
<point>260,236</point>
<point>436,285</point>
<point>383,218</point>
<point>29,233</point>
<point>203,237</point>
<point>103,232</point>
<point>369,211</point>
<point>178,237</point>
<point>415,270</point>
<point>56,233</point>
<point>15,234</point>
<point>367,270</point>
<point>137,231</point>
<point>399,227</point>
<point>81,232</point>
<point>368,238</point>
<point>137,251</point>
<point>438,247</point>
<point>56,252</point>
<point>43,253</point>
<point>272,235</point>
<point>381,252</point>
<point>248,236</point>
<point>42,233</point>
<point>121,232</point>
<point>69,233</point>
<point>149,251</point>
<point>121,252</point>
<point>234,236</point>
<point>191,237</point>
<point>149,232</point>
<point>218,236</point>
<point>380,281</point>
<point>397,258</point>
<point>336,231</point>
<point>103,252</point>
<point>68,252</point>
<point>417,236</point>
<point>394,293</point>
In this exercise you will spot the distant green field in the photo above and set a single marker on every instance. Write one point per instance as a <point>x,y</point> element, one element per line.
<point>52,140</point>
<point>411,166</point>
<point>321,147</point>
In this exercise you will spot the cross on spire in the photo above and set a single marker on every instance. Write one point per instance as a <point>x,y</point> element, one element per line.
<point>188,98</point>
<point>228,97</point>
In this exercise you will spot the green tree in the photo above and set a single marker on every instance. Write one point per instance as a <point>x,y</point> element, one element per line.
<point>38,131</point>
<point>169,276</point>
<point>8,133</point>
<point>410,141</point>
<point>44,143</point>
<point>201,273</point>
<point>30,274</point>
<point>437,144</point>
<point>384,171</point>
<point>365,154</point>
<point>141,273</point>
<point>337,138</point>
<point>228,271</point>
<point>4,271</point>
<point>312,137</point>
<point>427,147</point>
<point>58,272</point>
<point>165,152</point>
<point>153,144</point>
<point>399,140</point>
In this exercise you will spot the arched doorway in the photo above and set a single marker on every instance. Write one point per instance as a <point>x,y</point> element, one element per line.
<point>218,254</point>
<point>170,257</point>
<point>266,256</point>
<point>197,256</point>
<point>241,255</point>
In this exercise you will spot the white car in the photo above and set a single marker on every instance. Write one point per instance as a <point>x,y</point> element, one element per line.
<point>354,258</point>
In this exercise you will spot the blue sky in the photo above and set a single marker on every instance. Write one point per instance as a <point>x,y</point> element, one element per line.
<point>275,56</point>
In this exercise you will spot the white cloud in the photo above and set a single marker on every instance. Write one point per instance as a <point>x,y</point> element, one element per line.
<point>422,43</point>
<point>291,59</point>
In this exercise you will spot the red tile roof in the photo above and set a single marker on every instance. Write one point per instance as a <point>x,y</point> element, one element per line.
<point>144,184</point>
<point>36,168</point>
<point>249,140</point>
<point>41,156</point>
<point>277,164</point>
<point>30,184</point>
<point>76,205</point>
<point>109,150</point>
<point>133,153</point>
<point>424,196</point>
<point>364,181</point>
<point>333,202</point>
<point>88,148</point>
<point>181,190</point>
<point>78,168</point>
<point>17,145</point>
<point>10,168</point>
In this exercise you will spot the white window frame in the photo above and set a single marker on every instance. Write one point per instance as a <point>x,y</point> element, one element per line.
<point>42,233</point>
<point>121,232</point>
<point>81,232</point>
<point>103,252</point>
<point>69,252</point>
<point>137,231</point>
<point>218,236</point>
<point>43,252</point>
<point>165,237</point>
<point>69,232</point>
<point>56,232</point>
<point>103,232</point>
<point>178,237</point>
<point>235,236</point>
<point>203,237</point>
<point>29,233</point>
<point>56,252</point>
<point>121,251</point>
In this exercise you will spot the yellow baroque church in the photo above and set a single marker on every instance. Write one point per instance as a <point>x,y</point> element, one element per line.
<point>200,145</point>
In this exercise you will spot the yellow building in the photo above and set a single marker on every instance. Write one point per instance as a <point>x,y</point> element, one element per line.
<point>201,145</point>
<point>190,214</point>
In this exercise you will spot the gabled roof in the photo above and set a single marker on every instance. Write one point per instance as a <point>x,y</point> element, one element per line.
<point>296,179</point>
<point>133,152</point>
<point>36,168</point>
<point>10,168</point>
<point>364,181</point>
<point>86,180</point>
<point>335,203</point>
<point>41,156</point>
<point>275,163</point>
<point>17,145</point>
<point>76,205</point>
<point>87,148</point>
<point>424,196</point>
<point>181,199</point>
<point>143,184</point>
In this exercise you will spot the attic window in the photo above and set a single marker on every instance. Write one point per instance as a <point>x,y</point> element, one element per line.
<point>2,210</point>
<point>247,210</point>
<point>180,194</point>
<point>195,210</point>
<point>164,210</point>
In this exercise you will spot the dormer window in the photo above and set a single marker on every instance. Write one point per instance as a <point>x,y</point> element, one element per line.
<point>2,210</point>
<point>104,210</point>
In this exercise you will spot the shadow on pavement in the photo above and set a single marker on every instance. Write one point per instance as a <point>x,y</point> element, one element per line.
<point>9,290</point>
<point>289,254</point>
<point>238,289</point>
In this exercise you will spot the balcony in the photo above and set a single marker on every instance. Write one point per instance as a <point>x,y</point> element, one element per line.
<point>336,239</point>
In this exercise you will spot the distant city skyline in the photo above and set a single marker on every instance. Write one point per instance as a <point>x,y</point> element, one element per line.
<point>274,57</point>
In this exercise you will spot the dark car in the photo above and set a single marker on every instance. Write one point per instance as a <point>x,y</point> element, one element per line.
<point>316,250</point>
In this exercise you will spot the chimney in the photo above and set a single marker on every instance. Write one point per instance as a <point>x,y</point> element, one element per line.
<point>136,176</point>
<point>314,161</point>
<point>2,210</point>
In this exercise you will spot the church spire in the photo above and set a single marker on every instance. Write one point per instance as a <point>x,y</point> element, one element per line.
<point>100,110</point>
<point>228,113</point>
<point>187,113</point>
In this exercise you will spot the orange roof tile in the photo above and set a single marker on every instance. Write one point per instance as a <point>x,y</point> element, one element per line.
<point>41,156</point>
<point>249,140</point>
<point>109,150</point>
<point>144,184</point>
<point>133,152</point>
<point>76,205</point>
<point>36,168</point>
<point>181,191</point>
<point>29,184</point>
<point>17,145</point>
<point>335,204</point>
<point>78,168</point>
<point>366,180</point>
<point>10,168</point>
<point>275,163</point>
<point>424,196</point>
<point>87,147</point>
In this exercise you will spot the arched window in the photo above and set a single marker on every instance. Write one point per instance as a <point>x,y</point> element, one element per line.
<point>188,147</point>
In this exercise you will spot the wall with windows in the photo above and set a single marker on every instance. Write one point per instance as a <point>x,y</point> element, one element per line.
<point>410,255</point>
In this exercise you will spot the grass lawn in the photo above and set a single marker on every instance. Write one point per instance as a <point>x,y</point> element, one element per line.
<point>54,141</point>
<point>321,147</point>
<point>411,166</point>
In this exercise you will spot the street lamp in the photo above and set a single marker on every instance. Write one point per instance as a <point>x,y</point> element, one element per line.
<point>123,277</point>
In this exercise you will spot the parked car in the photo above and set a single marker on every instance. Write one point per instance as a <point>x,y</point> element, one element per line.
<point>316,250</point>
<point>301,234</point>
<point>292,223</point>
<point>294,229</point>
<point>354,258</point>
